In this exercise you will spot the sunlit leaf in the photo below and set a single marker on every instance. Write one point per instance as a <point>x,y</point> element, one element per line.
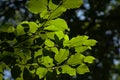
<point>49,43</point>
<point>55,50</point>
<point>57,24</point>
<point>76,59</point>
<point>76,41</point>
<point>81,49</point>
<point>90,42</point>
<point>69,4</point>
<point>38,53</point>
<point>59,34</point>
<point>31,26</point>
<point>41,72</point>
<point>62,55</point>
<point>57,12</point>
<point>52,6</point>
<point>69,70</point>
<point>47,61</point>
<point>82,69</point>
<point>89,59</point>
<point>37,6</point>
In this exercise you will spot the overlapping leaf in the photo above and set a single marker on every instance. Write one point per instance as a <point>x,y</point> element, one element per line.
<point>62,55</point>
<point>67,69</point>
<point>76,59</point>
<point>82,69</point>
<point>41,72</point>
<point>37,6</point>
<point>69,4</point>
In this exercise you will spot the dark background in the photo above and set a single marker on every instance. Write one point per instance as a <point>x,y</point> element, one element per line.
<point>99,19</point>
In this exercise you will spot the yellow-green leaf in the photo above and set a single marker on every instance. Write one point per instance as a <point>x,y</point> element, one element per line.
<point>89,59</point>
<point>49,43</point>
<point>69,4</point>
<point>37,6</point>
<point>82,69</point>
<point>76,59</point>
<point>41,72</point>
<point>62,55</point>
<point>69,70</point>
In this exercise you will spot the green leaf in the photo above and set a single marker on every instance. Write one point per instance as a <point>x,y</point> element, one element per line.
<point>32,27</point>
<point>47,61</point>
<point>60,34</point>
<point>62,55</point>
<point>49,43</point>
<point>89,59</point>
<point>90,42</point>
<point>76,59</point>
<point>52,6</point>
<point>57,12</point>
<point>70,4</point>
<point>44,14</point>
<point>57,25</point>
<point>55,50</point>
<point>51,28</point>
<point>50,35</point>
<point>38,53</point>
<point>37,6</point>
<point>20,30</point>
<point>81,49</point>
<point>41,72</point>
<point>76,41</point>
<point>82,69</point>
<point>69,70</point>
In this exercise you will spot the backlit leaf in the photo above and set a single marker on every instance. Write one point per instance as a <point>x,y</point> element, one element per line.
<point>47,61</point>
<point>38,53</point>
<point>57,12</point>
<point>62,55</point>
<point>59,34</point>
<point>82,69</point>
<point>76,41</point>
<point>69,70</point>
<point>41,72</point>
<point>81,49</point>
<point>57,24</point>
<point>49,43</point>
<point>69,4</point>
<point>76,59</point>
<point>37,6</point>
<point>55,50</point>
<point>89,59</point>
<point>90,42</point>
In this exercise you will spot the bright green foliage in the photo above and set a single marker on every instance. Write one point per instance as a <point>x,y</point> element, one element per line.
<point>56,25</point>
<point>29,27</point>
<point>76,59</point>
<point>49,43</point>
<point>89,59</point>
<point>82,69</point>
<point>67,69</point>
<point>69,4</point>
<point>37,6</point>
<point>41,72</point>
<point>43,47</point>
<point>62,55</point>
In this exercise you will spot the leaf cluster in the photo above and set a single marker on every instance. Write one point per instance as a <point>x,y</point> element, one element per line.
<point>43,48</point>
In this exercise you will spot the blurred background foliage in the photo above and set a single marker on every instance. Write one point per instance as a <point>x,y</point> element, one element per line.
<point>99,19</point>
